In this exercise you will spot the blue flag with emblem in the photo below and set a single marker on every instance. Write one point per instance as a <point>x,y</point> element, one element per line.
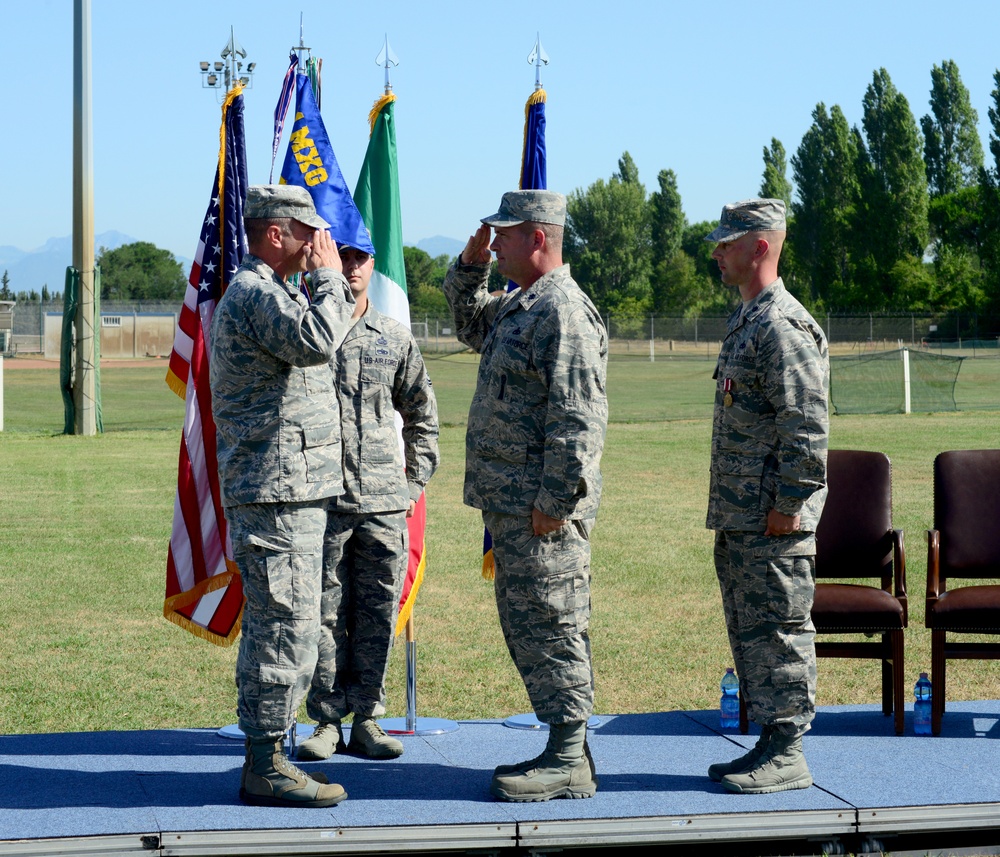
<point>310,163</point>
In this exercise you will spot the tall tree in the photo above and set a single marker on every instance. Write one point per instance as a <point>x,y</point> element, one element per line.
<point>667,225</point>
<point>953,154</point>
<point>5,292</point>
<point>989,192</point>
<point>892,221</point>
<point>608,240</point>
<point>827,191</point>
<point>666,217</point>
<point>424,278</point>
<point>140,271</point>
<point>775,183</point>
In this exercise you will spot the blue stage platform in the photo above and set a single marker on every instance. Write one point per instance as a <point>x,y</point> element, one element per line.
<point>174,792</point>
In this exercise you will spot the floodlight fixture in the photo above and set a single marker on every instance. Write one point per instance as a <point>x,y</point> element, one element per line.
<point>223,75</point>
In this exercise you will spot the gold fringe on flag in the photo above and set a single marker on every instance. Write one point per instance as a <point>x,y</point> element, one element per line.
<point>231,96</point>
<point>489,571</point>
<point>182,599</point>
<point>407,609</point>
<point>376,109</point>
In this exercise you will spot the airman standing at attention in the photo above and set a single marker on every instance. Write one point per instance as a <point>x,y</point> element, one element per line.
<point>767,489</point>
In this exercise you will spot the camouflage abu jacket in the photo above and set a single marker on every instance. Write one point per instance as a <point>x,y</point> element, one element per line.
<point>378,371</point>
<point>771,424</point>
<point>275,408</point>
<point>540,411</point>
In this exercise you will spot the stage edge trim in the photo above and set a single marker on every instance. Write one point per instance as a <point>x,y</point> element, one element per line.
<point>118,845</point>
<point>233,843</point>
<point>919,819</point>
<point>688,828</point>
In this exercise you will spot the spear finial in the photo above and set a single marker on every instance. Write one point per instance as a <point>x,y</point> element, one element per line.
<point>387,58</point>
<point>302,52</point>
<point>538,58</point>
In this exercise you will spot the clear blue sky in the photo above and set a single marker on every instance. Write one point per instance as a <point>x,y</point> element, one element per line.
<point>699,88</point>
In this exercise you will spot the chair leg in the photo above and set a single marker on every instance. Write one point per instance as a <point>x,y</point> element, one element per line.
<point>887,665</point>
<point>937,680</point>
<point>897,678</point>
<point>744,720</point>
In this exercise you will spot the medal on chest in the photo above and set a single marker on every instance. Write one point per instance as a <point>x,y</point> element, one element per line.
<point>727,399</point>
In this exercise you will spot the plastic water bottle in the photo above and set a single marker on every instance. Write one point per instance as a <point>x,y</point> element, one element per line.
<point>729,704</point>
<point>922,706</point>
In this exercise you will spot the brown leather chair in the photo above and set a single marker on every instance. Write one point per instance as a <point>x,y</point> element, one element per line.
<point>855,541</point>
<point>965,543</point>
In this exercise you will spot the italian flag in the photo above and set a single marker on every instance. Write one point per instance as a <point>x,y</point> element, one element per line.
<point>377,198</point>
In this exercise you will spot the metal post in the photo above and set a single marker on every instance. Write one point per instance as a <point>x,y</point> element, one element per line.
<point>906,381</point>
<point>411,677</point>
<point>85,387</point>
<point>411,724</point>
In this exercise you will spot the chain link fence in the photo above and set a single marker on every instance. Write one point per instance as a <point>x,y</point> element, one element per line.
<point>701,335</point>
<point>637,337</point>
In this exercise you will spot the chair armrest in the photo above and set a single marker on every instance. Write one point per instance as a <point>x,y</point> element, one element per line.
<point>933,566</point>
<point>899,571</point>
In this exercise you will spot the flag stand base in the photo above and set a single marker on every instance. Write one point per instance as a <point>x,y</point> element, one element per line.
<point>422,726</point>
<point>529,721</point>
<point>296,732</point>
<point>411,724</point>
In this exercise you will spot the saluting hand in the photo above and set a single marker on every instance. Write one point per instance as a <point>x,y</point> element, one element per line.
<point>322,252</point>
<point>477,250</point>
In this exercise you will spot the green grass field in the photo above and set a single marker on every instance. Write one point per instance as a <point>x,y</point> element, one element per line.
<point>86,523</point>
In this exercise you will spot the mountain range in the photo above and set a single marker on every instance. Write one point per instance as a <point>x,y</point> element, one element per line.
<point>30,270</point>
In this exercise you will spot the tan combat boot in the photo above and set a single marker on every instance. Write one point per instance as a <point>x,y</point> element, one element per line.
<point>368,739</point>
<point>269,779</point>
<point>780,768</point>
<point>322,744</point>
<point>717,771</point>
<point>565,769</point>
<point>504,770</point>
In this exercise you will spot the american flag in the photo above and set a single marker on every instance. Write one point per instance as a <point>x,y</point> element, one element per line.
<point>204,593</point>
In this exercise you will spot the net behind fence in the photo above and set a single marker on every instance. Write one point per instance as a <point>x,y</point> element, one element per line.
<point>874,383</point>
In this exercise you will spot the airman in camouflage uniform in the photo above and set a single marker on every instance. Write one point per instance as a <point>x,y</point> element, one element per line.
<point>767,489</point>
<point>279,452</point>
<point>379,371</point>
<point>533,449</point>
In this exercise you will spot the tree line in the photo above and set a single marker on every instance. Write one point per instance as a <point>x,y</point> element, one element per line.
<point>894,215</point>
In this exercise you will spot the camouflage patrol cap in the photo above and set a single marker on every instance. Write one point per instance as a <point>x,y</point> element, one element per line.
<point>750,215</point>
<point>534,206</point>
<point>271,201</point>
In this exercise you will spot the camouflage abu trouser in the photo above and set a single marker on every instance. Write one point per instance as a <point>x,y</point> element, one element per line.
<point>279,550</point>
<point>767,588</point>
<point>364,565</point>
<point>542,588</point>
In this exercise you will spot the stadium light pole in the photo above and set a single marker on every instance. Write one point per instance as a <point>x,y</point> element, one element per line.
<point>85,385</point>
<point>222,76</point>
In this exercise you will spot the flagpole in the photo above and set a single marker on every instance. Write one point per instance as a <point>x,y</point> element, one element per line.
<point>378,221</point>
